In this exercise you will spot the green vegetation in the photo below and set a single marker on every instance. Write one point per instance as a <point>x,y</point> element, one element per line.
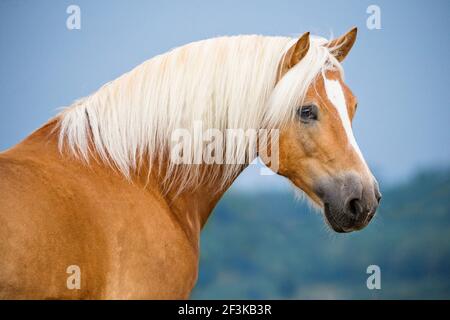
<point>270,246</point>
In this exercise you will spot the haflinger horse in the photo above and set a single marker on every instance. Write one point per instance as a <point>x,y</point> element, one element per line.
<point>94,190</point>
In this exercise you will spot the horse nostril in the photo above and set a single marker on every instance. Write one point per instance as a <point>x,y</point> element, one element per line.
<point>378,196</point>
<point>354,207</point>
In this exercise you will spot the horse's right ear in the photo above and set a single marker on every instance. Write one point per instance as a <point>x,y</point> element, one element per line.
<point>294,54</point>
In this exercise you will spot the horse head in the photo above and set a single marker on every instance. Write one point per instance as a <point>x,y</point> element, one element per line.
<point>317,148</point>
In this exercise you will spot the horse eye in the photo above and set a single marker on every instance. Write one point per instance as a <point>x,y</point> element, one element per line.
<point>308,113</point>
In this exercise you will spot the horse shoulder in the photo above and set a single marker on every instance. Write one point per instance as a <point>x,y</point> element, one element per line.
<point>40,233</point>
<point>123,238</point>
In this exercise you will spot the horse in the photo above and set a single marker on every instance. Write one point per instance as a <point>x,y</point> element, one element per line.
<point>93,207</point>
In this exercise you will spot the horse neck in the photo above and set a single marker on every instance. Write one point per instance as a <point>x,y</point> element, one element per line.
<point>194,206</point>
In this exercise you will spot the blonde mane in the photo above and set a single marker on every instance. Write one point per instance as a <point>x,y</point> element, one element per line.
<point>226,82</point>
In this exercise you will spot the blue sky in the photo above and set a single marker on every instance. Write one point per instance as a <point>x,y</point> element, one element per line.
<point>400,73</point>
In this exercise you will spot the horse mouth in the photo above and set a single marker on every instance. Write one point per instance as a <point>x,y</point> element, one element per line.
<point>331,221</point>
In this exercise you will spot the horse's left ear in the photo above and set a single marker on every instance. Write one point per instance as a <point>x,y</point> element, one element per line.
<point>341,46</point>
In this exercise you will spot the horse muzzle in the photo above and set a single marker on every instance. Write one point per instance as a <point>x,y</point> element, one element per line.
<point>349,201</point>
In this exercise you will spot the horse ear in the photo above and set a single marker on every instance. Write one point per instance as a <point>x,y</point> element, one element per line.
<point>295,53</point>
<point>341,46</point>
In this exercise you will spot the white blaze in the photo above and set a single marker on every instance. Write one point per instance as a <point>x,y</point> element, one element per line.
<point>335,94</point>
